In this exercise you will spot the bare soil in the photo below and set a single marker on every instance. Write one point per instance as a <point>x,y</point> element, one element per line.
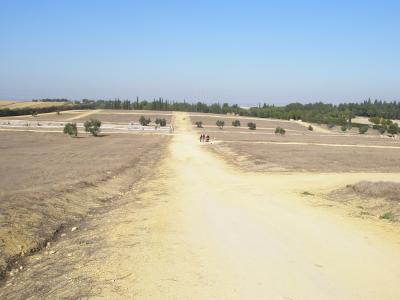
<point>126,116</point>
<point>49,180</point>
<point>380,199</point>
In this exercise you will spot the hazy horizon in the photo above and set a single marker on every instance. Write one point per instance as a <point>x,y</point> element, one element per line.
<point>242,52</point>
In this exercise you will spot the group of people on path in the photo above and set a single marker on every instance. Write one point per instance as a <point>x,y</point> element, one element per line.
<point>204,138</point>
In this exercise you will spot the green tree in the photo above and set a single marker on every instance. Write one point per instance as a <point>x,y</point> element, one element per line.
<point>363,129</point>
<point>220,124</point>
<point>382,129</point>
<point>144,121</point>
<point>162,122</point>
<point>92,126</point>
<point>236,123</point>
<point>393,129</point>
<point>71,129</point>
<point>280,130</point>
<point>252,126</point>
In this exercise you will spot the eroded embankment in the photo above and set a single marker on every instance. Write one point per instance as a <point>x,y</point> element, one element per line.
<point>28,221</point>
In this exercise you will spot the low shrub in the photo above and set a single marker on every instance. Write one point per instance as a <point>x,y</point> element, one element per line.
<point>280,130</point>
<point>236,123</point>
<point>161,122</point>
<point>220,124</point>
<point>70,129</point>
<point>144,121</point>
<point>310,128</point>
<point>252,126</point>
<point>92,126</point>
<point>199,124</point>
<point>363,129</point>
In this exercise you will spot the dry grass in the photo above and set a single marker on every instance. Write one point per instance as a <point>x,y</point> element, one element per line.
<point>5,103</point>
<point>209,120</point>
<point>307,158</point>
<point>49,180</point>
<point>380,199</point>
<point>382,189</point>
<point>120,117</point>
<point>26,104</point>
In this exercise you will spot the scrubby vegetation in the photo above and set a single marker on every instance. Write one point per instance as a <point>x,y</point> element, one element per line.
<point>384,189</point>
<point>310,128</point>
<point>236,123</point>
<point>220,124</point>
<point>144,121</point>
<point>199,124</point>
<point>161,122</point>
<point>280,131</point>
<point>363,129</point>
<point>71,129</point>
<point>252,126</point>
<point>92,126</point>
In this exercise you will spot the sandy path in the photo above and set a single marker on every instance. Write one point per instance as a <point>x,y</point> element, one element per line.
<point>85,114</point>
<point>217,233</point>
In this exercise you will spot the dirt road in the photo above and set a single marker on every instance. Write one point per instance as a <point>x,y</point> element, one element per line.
<point>201,229</point>
<point>221,234</point>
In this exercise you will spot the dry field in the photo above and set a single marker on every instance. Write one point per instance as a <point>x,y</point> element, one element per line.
<point>167,217</point>
<point>30,104</point>
<point>109,116</point>
<point>124,116</point>
<point>299,149</point>
<point>49,180</point>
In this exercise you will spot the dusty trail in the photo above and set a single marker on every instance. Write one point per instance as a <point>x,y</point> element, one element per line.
<point>201,229</point>
<point>222,234</point>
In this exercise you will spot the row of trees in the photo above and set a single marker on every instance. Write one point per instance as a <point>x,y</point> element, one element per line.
<point>92,126</point>
<point>319,112</point>
<point>146,121</point>
<point>6,112</point>
<point>314,112</point>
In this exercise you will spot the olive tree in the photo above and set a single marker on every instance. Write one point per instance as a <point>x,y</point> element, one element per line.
<point>92,126</point>
<point>220,124</point>
<point>71,129</point>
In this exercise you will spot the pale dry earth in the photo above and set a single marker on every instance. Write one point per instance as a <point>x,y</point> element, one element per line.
<point>199,228</point>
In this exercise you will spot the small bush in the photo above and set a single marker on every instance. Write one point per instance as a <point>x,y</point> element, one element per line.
<point>70,129</point>
<point>363,129</point>
<point>310,128</point>
<point>93,126</point>
<point>343,128</point>
<point>144,121</point>
<point>388,216</point>
<point>236,123</point>
<point>382,129</point>
<point>199,124</point>
<point>220,124</point>
<point>161,122</point>
<point>393,129</point>
<point>375,120</point>
<point>331,125</point>
<point>280,130</point>
<point>305,193</point>
<point>252,126</point>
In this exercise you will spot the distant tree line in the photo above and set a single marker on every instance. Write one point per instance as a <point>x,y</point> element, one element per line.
<point>6,112</point>
<point>314,112</point>
<point>319,112</point>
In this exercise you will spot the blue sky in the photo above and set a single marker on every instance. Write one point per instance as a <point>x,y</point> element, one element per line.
<point>235,51</point>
